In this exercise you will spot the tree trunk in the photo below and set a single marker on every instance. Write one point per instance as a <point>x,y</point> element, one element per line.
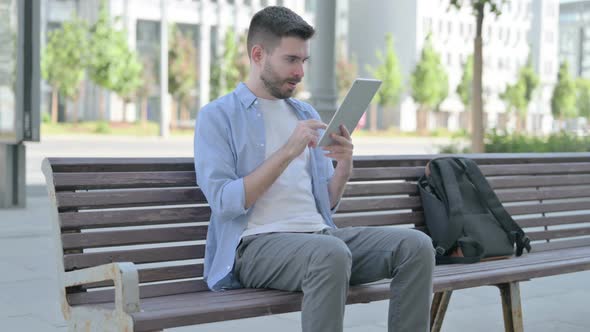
<point>477,134</point>
<point>100,104</point>
<point>173,113</point>
<point>421,120</point>
<point>144,114</point>
<point>373,124</point>
<point>54,105</point>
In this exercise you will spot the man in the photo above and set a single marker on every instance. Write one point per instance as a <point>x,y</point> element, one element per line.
<point>272,192</point>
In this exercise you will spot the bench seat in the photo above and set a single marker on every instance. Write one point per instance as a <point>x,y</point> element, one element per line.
<point>150,213</point>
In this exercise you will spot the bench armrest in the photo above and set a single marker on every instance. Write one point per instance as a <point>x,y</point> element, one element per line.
<point>123,275</point>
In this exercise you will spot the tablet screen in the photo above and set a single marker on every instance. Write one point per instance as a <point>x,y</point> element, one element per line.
<point>352,108</point>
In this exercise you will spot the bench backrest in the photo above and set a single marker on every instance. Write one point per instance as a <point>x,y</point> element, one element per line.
<point>150,211</point>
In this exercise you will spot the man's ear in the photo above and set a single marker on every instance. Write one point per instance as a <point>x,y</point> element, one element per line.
<point>257,54</point>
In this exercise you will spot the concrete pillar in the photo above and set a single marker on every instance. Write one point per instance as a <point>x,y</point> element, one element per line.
<point>12,175</point>
<point>323,65</point>
<point>205,54</point>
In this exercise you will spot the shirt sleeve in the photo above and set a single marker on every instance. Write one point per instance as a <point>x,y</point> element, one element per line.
<point>215,165</point>
<point>328,163</point>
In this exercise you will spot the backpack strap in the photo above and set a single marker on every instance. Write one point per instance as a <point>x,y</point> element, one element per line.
<point>488,196</point>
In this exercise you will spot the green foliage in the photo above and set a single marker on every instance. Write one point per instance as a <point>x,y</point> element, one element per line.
<point>231,68</point>
<point>64,57</point>
<point>130,76</point>
<point>102,127</point>
<point>495,6</point>
<point>530,78</point>
<point>429,81</point>
<point>583,97</point>
<point>515,97</point>
<point>45,117</point>
<point>465,89</point>
<point>389,73</point>
<point>182,66</point>
<point>346,72</point>
<point>563,100</point>
<point>110,56</point>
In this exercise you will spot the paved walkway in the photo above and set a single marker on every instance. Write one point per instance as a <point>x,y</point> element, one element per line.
<point>28,294</point>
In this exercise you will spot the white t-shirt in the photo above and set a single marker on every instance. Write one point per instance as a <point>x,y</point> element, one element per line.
<point>288,205</point>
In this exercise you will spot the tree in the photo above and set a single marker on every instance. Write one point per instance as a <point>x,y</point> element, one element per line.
<point>479,9</point>
<point>232,67</point>
<point>110,57</point>
<point>130,78</point>
<point>429,82</point>
<point>464,89</point>
<point>389,73</point>
<point>148,79</point>
<point>515,97</point>
<point>182,71</point>
<point>346,71</point>
<point>563,100</point>
<point>583,97</point>
<point>519,95</point>
<point>63,62</point>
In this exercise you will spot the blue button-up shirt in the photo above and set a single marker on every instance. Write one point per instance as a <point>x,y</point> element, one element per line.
<point>230,144</point>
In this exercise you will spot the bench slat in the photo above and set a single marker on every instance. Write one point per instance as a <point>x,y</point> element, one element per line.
<point>100,219</point>
<point>131,237</point>
<point>559,233</point>
<point>129,198</point>
<point>550,221</point>
<point>119,180</point>
<point>386,173</point>
<point>377,204</point>
<point>343,220</point>
<point>547,207</point>
<point>530,169</point>
<point>149,255</point>
<point>155,274</point>
<point>380,188</point>
<point>543,194</point>
<point>145,291</point>
<point>538,181</point>
<point>60,165</point>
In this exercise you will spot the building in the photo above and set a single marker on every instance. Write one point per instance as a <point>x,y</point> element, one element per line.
<point>205,21</point>
<point>508,41</point>
<point>574,36</point>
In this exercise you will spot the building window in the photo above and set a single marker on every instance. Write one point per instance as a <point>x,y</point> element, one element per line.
<point>548,68</point>
<point>549,36</point>
<point>450,27</point>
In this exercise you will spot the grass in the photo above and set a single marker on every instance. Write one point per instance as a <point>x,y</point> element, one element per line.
<point>106,128</point>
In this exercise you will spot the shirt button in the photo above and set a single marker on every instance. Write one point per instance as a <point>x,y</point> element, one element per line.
<point>259,115</point>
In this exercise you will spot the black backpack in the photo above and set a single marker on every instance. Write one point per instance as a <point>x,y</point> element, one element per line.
<point>463,215</point>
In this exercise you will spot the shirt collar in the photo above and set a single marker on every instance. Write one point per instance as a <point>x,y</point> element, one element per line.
<point>247,98</point>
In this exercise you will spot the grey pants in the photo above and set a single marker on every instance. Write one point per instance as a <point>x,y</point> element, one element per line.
<point>324,264</point>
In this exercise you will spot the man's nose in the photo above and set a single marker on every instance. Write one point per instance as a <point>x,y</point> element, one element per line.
<point>299,71</point>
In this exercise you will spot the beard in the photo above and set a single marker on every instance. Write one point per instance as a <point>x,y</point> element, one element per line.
<point>273,83</point>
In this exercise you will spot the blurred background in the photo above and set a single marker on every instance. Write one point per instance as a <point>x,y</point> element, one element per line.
<point>517,81</point>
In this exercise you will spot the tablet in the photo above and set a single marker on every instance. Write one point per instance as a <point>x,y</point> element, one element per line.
<point>352,108</point>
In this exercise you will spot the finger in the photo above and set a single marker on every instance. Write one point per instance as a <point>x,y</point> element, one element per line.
<point>345,133</point>
<point>341,140</point>
<point>315,124</point>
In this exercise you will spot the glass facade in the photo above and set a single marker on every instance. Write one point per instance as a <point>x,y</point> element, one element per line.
<point>8,70</point>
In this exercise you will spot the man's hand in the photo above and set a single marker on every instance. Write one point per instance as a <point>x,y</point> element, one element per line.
<point>305,134</point>
<point>341,151</point>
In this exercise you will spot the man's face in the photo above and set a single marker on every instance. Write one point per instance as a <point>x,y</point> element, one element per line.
<point>283,67</point>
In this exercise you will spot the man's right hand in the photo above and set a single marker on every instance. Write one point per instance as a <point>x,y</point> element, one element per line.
<point>305,134</point>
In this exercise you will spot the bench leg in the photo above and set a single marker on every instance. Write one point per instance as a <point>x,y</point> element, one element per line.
<point>440,303</point>
<point>511,307</point>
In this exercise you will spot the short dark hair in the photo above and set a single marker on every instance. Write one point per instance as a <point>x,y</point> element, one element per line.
<point>270,24</point>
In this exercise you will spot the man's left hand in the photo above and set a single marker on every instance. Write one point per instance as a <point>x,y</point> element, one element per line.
<point>341,151</point>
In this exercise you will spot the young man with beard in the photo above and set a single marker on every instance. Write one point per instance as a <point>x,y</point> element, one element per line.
<point>272,192</point>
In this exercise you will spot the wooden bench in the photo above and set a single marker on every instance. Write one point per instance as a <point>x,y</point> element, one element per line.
<point>141,224</point>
